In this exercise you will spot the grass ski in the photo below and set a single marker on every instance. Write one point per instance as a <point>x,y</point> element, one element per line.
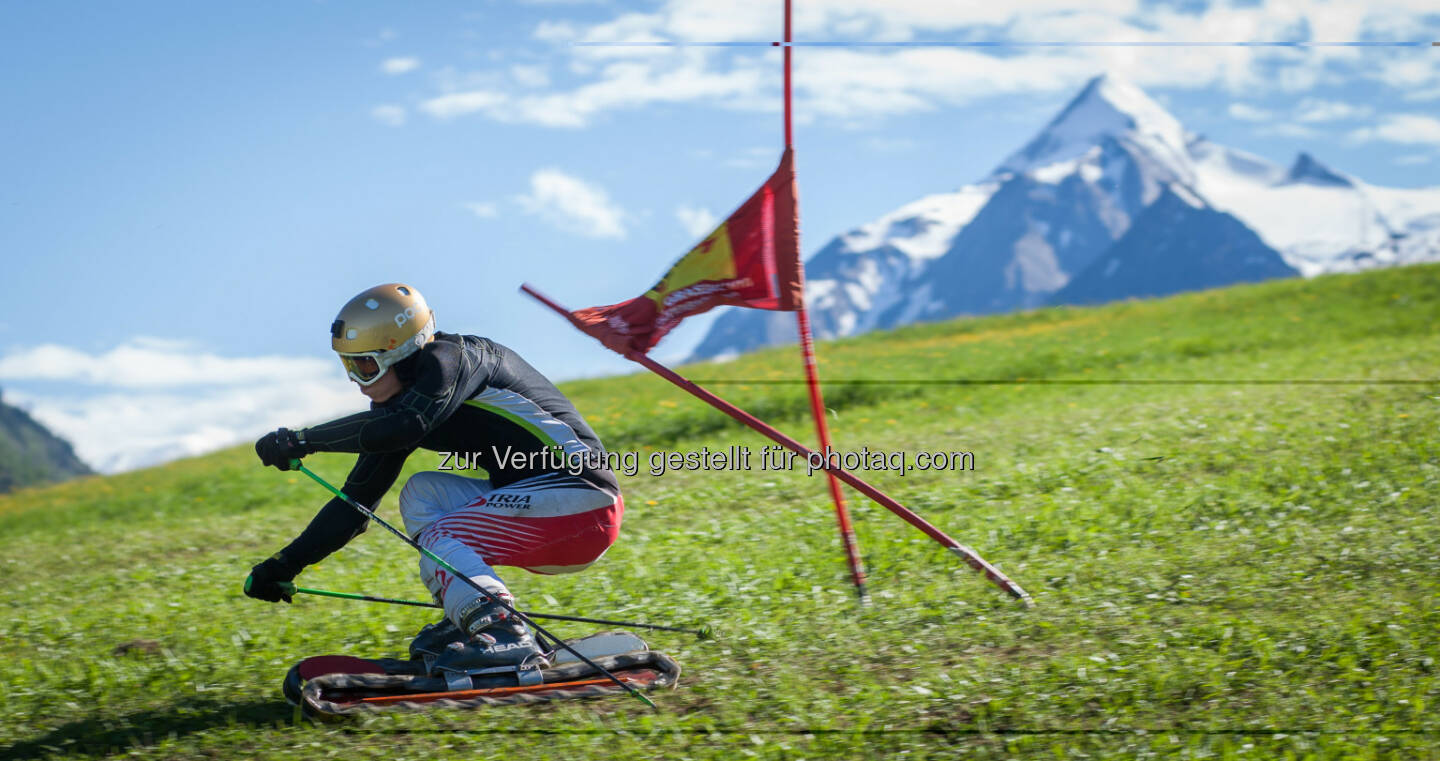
<point>335,686</point>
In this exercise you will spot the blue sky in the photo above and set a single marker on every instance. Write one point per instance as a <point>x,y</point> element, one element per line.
<point>192,190</point>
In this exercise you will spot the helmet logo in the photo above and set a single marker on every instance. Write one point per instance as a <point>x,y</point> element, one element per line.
<point>352,334</point>
<point>403,317</point>
<point>372,304</point>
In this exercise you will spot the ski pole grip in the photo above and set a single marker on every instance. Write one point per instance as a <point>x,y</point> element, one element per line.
<point>295,465</point>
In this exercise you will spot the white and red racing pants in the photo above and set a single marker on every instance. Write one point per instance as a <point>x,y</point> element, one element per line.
<point>551,523</point>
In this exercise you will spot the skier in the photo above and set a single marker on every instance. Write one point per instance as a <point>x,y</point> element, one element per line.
<point>549,505</point>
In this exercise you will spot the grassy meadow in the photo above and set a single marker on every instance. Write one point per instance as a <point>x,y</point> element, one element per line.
<point>1224,565</point>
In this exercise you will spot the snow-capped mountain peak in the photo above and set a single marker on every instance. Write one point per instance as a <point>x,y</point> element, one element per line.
<point>1217,163</point>
<point>1111,199</point>
<point>922,229</point>
<point>1306,169</point>
<point>1108,107</point>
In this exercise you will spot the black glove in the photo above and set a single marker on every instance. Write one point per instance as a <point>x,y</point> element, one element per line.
<point>269,580</point>
<point>280,447</point>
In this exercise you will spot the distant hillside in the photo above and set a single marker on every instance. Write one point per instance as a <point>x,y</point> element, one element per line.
<point>31,454</point>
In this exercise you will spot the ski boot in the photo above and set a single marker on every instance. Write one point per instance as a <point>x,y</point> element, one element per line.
<point>432,640</point>
<point>497,640</point>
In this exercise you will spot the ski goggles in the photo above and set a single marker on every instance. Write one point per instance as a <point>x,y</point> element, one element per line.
<point>363,368</point>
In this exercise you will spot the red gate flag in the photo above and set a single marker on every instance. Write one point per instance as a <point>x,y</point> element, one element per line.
<point>752,259</point>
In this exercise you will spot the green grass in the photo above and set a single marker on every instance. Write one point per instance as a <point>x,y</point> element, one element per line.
<point>1221,570</point>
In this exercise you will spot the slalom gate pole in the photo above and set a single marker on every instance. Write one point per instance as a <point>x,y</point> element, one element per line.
<point>789,134</point>
<point>966,554</point>
<point>703,633</point>
<point>367,512</point>
<point>812,382</point>
<point>817,411</point>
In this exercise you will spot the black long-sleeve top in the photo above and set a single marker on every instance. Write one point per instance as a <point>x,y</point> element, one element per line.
<point>465,395</point>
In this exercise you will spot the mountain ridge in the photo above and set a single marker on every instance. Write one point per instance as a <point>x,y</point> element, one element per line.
<point>1048,211</point>
<point>1177,244</point>
<point>30,454</point>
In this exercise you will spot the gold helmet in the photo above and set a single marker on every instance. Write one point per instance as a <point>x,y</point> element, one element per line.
<point>380,327</point>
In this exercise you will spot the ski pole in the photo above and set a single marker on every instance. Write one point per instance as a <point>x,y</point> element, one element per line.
<point>289,587</point>
<point>437,560</point>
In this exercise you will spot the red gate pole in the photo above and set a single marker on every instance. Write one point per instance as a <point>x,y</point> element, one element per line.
<point>972,558</point>
<point>812,380</point>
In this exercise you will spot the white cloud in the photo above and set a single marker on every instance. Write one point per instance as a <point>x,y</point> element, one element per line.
<point>389,115</point>
<point>115,432</point>
<point>449,80</point>
<point>482,209</point>
<point>555,31</point>
<point>866,84</point>
<point>160,344</point>
<point>461,103</point>
<point>381,38</point>
<point>1308,111</point>
<point>1249,113</point>
<point>1410,72</point>
<point>530,75</point>
<point>1432,93</point>
<point>1414,159</point>
<point>1318,110</point>
<point>754,157</point>
<point>1409,129</point>
<point>153,400</point>
<point>399,65</point>
<point>619,85</point>
<point>696,220</point>
<point>152,363</point>
<point>573,205</point>
<point>1286,129</point>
